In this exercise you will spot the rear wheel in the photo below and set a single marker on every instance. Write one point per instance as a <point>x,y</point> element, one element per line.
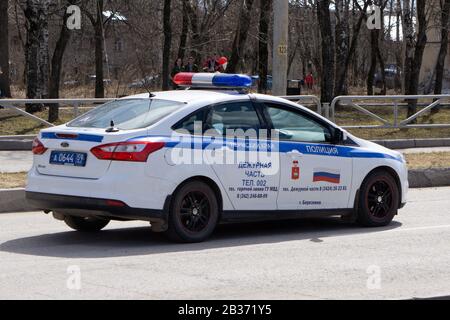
<point>379,200</point>
<point>85,224</point>
<point>194,213</point>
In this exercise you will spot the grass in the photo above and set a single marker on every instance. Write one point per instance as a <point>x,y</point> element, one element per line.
<point>414,160</point>
<point>12,180</point>
<point>428,160</point>
<point>13,124</point>
<point>349,117</point>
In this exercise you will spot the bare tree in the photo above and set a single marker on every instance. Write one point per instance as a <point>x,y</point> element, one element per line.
<point>375,55</point>
<point>240,36</point>
<point>203,16</point>
<point>36,51</point>
<point>327,47</point>
<point>342,40</point>
<point>98,22</point>
<point>5,89</point>
<point>445,7</point>
<point>414,48</point>
<point>167,44</point>
<point>263,44</point>
<point>340,89</point>
<point>184,30</point>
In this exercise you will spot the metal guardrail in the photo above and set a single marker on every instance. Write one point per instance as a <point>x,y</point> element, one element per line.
<point>75,103</point>
<point>396,124</point>
<point>327,110</point>
<point>313,99</point>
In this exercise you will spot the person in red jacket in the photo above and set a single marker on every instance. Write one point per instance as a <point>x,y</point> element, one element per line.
<point>309,81</point>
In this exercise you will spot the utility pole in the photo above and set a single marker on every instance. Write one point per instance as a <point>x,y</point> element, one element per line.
<point>280,47</point>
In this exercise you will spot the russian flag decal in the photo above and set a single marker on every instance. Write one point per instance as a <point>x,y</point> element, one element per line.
<point>327,175</point>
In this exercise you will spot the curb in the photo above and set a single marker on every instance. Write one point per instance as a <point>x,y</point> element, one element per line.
<point>13,200</point>
<point>14,145</point>
<point>414,143</point>
<point>426,178</point>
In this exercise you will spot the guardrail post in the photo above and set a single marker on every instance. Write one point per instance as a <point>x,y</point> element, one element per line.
<point>326,107</point>
<point>75,110</point>
<point>395,113</point>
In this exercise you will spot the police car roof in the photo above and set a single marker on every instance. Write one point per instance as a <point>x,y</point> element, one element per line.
<point>189,96</point>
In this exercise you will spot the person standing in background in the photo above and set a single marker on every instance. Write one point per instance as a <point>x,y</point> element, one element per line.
<point>309,81</point>
<point>211,64</point>
<point>177,68</point>
<point>190,66</point>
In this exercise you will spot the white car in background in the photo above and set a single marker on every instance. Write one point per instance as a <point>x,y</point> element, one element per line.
<point>157,157</point>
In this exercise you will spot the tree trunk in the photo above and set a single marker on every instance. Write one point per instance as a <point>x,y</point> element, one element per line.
<point>414,50</point>
<point>5,88</point>
<point>263,44</point>
<point>240,36</point>
<point>443,49</point>
<point>342,41</point>
<point>340,90</point>
<point>56,65</point>
<point>36,51</point>
<point>327,47</point>
<point>184,31</point>
<point>167,44</point>
<point>197,39</point>
<point>373,61</point>
<point>99,51</point>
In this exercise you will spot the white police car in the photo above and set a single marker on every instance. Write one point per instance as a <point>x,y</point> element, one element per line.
<point>187,160</point>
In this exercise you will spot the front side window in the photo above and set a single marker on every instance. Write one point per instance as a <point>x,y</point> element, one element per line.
<point>291,125</point>
<point>230,117</point>
<point>127,114</point>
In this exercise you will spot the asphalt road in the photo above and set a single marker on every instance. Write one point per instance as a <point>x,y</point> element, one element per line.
<point>325,259</point>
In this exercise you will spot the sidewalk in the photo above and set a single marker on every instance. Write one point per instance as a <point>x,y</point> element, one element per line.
<point>15,161</point>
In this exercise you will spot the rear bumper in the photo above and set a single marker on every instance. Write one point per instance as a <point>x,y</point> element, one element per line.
<point>84,206</point>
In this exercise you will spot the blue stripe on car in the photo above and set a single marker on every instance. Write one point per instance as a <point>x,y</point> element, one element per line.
<point>79,137</point>
<point>280,146</point>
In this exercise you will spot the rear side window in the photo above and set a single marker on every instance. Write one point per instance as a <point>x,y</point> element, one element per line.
<point>233,116</point>
<point>127,114</point>
<point>188,124</point>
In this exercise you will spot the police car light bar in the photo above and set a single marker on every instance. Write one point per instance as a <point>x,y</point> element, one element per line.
<point>212,80</point>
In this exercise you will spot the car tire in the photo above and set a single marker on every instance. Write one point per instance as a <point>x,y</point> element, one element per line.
<point>88,224</point>
<point>194,213</point>
<point>378,200</point>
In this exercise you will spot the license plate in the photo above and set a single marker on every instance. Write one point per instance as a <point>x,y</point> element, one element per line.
<point>77,159</point>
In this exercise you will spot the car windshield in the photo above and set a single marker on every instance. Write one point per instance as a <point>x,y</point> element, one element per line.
<point>126,114</point>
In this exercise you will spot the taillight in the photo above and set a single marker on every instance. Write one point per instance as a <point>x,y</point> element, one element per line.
<point>127,151</point>
<point>38,147</point>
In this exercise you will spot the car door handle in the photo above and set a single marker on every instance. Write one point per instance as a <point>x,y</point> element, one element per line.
<point>222,149</point>
<point>294,153</point>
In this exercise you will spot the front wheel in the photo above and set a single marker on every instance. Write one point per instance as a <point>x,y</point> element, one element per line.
<point>194,213</point>
<point>379,200</point>
<point>85,224</point>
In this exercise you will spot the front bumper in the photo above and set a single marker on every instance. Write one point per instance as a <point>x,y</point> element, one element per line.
<point>84,206</point>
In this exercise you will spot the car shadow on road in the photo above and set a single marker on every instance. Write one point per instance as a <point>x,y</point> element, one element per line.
<point>141,241</point>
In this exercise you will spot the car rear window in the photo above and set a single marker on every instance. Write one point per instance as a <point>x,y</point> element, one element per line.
<point>127,114</point>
